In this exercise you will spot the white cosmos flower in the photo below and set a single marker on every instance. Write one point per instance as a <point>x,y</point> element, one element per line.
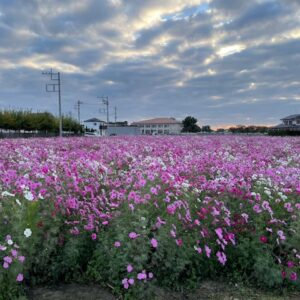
<point>27,232</point>
<point>10,242</point>
<point>5,194</point>
<point>28,195</point>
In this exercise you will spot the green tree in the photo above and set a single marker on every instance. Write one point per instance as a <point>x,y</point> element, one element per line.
<point>190,125</point>
<point>206,128</point>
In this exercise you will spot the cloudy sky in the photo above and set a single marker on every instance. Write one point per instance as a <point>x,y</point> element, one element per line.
<point>222,61</point>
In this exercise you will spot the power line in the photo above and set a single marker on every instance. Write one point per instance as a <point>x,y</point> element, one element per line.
<point>55,88</point>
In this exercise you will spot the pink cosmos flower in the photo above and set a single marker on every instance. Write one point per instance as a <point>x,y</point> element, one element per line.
<point>154,243</point>
<point>219,233</point>
<point>20,277</point>
<point>221,257</point>
<point>129,268</point>
<point>231,237</point>
<point>257,208</point>
<point>171,209</point>
<point>150,275</point>
<point>131,281</point>
<point>281,235</point>
<point>71,203</point>
<point>133,235</point>
<point>141,276</point>
<point>94,236</point>
<point>117,244</point>
<point>21,258</point>
<point>207,251</point>
<point>199,250</point>
<point>125,283</point>
<point>7,259</point>
<point>5,265</point>
<point>2,248</point>
<point>173,233</point>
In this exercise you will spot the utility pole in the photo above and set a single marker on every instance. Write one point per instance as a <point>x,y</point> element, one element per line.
<point>115,116</point>
<point>106,102</point>
<point>55,88</point>
<point>77,106</point>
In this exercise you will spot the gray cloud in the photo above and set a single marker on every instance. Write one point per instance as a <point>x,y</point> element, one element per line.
<point>230,62</point>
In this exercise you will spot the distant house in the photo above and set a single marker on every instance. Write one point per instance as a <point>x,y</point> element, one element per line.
<point>159,126</point>
<point>95,126</point>
<point>291,122</point>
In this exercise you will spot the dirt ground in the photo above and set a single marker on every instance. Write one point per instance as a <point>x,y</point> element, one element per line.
<point>207,291</point>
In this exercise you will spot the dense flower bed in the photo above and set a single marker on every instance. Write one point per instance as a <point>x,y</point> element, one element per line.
<point>132,213</point>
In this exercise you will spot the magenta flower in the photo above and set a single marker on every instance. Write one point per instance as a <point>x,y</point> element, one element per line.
<point>5,265</point>
<point>179,242</point>
<point>263,239</point>
<point>154,243</point>
<point>171,209</point>
<point>131,281</point>
<point>94,236</point>
<point>290,264</point>
<point>293,276</point>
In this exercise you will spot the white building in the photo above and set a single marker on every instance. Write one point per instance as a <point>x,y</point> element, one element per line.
<point>95,126</point>
<point>123,130</point>
<point>290,123</point>
<point>159,126</point>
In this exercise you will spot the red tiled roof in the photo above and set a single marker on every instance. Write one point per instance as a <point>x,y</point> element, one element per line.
<point>157,121</point>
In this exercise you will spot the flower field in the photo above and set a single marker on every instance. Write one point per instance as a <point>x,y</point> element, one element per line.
<point>138,212</point>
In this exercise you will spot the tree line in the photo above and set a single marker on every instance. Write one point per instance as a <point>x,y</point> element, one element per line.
<point>31,122</point>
